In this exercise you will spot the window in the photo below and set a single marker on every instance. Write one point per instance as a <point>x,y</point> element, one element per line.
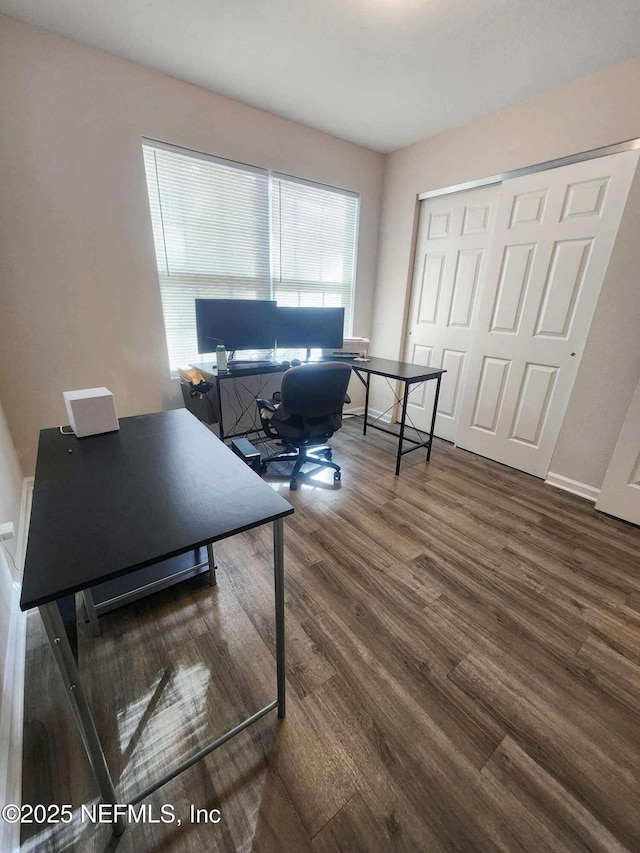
<point>224,230</point>
<point>313,245</point>
<point>211,232</point>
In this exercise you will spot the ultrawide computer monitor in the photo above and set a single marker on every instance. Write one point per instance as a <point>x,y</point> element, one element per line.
<point>239,324</point>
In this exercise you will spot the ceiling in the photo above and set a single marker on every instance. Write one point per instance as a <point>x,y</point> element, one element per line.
<point>381,73</point>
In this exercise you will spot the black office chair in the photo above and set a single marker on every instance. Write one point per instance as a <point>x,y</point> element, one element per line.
<point>310,411</point>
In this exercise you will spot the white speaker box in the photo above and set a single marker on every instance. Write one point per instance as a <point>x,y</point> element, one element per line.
<point>91,411</point>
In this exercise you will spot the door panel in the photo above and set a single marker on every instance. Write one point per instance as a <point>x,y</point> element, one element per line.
<point>450,261</point>
<point>527,208</point>
<point>465,284</point>
<point>433,272</point>
<point>515,273</point>
<point>585,198</point>
<point>533,403</point>
<point>620,493</point>
<point>489,393</point>
<point>550,247</point>
<point>453,363</point>
<point>569,261</point>
<point>420,355</point>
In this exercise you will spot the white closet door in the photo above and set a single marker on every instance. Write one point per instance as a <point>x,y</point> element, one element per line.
<point>450,261</point>
<point>620,493</point>
<point>549,253</point>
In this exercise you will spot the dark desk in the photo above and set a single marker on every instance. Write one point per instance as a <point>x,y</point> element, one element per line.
<point>400,371</point>
<point>211,372</point>
<point>110,505</point>
<point>409,374</point>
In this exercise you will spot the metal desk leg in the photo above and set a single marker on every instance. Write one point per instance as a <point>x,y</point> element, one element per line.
<point>405,400</point>
<point>366,404</point>
<point>92,615</point>
<point>433,416</point>
<point>212,565</point>
<point>220,422</point>
<point>53,624</point>
<point>278,565</point>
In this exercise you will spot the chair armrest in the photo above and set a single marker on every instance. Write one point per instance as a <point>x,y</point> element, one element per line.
<point>347,398</point>
<point>266,422</point>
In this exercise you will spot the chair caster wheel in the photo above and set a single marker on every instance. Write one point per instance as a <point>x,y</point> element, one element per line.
<point>336,476</point>
<point>293,485</point>
<point>328,455</point>
<point>263,469</point>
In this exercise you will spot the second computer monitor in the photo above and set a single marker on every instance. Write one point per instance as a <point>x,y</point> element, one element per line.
<point>309,328</point>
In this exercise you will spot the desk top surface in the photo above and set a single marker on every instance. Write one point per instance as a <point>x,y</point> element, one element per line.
<point>377,366</point>
<point>396,369</point>
<point>120,501</point>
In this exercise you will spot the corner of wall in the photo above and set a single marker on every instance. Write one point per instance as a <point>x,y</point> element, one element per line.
<point>12,708</point>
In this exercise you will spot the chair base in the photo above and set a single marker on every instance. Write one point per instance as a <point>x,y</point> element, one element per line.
<point>319,455</point>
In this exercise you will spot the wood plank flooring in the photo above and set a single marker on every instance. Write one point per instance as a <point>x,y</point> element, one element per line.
<point>463,665</point>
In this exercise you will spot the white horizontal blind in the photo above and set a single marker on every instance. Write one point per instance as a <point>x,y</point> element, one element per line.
<point>313,245</point>
<point>211,232</point>
<point>226,231</point>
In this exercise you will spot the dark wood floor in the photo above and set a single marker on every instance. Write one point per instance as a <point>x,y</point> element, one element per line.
<point>463,672</point>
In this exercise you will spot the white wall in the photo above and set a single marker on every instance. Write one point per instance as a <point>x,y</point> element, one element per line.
<point>78,285</point>
<point>12,624</point>
<point>597,110</point>
<point>10,475</point>
<point>10,495</point>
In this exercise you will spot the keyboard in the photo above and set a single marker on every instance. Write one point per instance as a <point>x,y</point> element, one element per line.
<point>239,366</point>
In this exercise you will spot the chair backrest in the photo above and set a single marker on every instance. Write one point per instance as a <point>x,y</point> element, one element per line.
<point>315,390</point>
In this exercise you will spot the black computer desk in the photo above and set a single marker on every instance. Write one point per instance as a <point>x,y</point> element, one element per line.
<point>409,374</point>
<point>211,373</point>
<point>110,505</point>
<point>399,371</point>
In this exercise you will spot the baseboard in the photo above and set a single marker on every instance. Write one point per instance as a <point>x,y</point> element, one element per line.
<point>12,713</point>
<point>583,490</point>
<point>354,410</point>
<point>385,417</point>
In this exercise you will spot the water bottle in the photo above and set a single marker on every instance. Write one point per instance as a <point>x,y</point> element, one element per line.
<point>221,358</point>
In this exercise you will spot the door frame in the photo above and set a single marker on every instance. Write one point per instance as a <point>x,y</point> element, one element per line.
<point>591,154</point>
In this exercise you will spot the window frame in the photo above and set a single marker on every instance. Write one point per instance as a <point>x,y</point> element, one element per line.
<point>271,175</point>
